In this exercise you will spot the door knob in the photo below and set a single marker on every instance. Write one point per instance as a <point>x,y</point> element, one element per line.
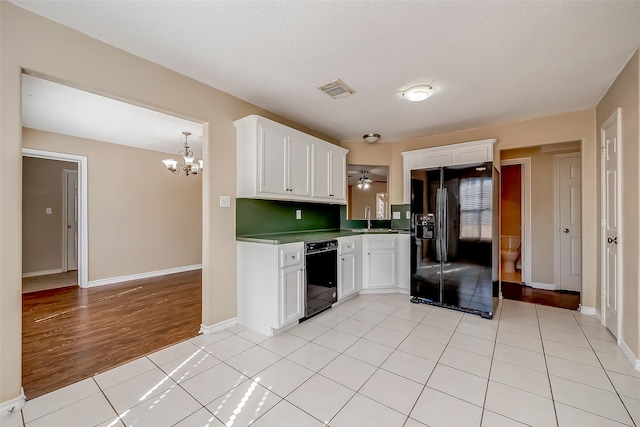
<point>566,230</point>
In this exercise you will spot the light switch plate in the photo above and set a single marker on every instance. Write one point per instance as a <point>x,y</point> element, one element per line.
<point>408,214</point>
<point>225,201</point>
<point>396,215</point>
<point>298,214</point>
<point>48,211</point>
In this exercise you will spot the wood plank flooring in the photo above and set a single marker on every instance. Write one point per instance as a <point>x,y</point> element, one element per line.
<point>70,334</point>
<point>519,292</point>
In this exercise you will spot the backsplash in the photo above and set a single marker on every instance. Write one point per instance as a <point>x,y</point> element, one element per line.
<point>254,216</point>
<point>403,223</point>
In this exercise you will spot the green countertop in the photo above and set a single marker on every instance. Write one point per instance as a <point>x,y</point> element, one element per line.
<point>309,236</point>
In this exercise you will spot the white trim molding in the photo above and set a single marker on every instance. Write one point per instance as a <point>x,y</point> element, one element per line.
<point>635,361</point>
<point>14,404</point>
<point>212,329</point>
<point>83,206</point>
<point>42,273</point>
<point>526,216</point>
<point>591,311</point>
<point>148,274</point>
<point>541,285</point>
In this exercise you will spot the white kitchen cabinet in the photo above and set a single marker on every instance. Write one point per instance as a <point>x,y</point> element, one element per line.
<point>447,155</point>
<point>291,292</point>
<point>329,172</point>
<point>380,258</point>
<point>349,266</point>
<point>270,286</point>
<point>274,161</point>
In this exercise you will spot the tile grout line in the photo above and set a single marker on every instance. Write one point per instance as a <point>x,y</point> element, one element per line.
<point>546,364</point>
<point>608,377</point>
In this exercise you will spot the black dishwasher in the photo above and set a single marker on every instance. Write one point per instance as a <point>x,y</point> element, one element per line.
<point>321,262</point>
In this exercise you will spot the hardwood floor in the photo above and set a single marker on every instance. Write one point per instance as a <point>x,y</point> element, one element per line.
<point>71,333</point>
<point>519,292</point>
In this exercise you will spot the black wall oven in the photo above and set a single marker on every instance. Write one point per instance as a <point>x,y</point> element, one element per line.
<point>321,277</point>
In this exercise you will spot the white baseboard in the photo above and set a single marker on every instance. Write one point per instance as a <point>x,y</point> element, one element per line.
<point>211,329</point>
<point>541,285</point>
<point>381,291</point>
<point>13,404</point>
<point>635,361</point>
<point>112,280</point>
<point>588,310</point>
<point>42,273</point>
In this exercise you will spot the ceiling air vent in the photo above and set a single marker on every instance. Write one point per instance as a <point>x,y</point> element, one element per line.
<point>337,89</point>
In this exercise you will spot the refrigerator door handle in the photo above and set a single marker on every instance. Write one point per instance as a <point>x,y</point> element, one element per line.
<point>445,218</point>
<point>438,231</point>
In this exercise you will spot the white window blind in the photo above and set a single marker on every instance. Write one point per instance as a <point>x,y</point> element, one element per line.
<point>475,208</point>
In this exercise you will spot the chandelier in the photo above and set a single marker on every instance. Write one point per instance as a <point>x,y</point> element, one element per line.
<point>364,182</point>
<point>191,164</point>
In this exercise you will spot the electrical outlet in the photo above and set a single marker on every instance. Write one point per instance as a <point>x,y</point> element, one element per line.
<point>298,214</point>
<point>396,215</point>
<point>48,211</point>
<point>408,214</point>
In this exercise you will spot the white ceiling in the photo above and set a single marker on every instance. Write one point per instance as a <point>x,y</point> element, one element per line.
<point>61,109</point>
<point>489,62</point>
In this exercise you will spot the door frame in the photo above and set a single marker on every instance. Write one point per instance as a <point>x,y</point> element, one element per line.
<point>525,213</point>
<point>65,216</point>
<point>556,215</point>
<point>616,118</point>
<point>83,228</point>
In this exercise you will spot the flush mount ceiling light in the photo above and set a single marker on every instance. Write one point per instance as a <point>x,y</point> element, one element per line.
<point>371,138</point>
<point>191,165</point>
<point>418,93</point>
<point>364,182</point>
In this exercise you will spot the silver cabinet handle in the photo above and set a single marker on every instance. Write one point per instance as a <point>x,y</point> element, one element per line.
<point>566,230</point>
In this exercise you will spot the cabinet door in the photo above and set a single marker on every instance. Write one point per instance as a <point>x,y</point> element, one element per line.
<point>382,271</point>
<point>338,175</point>
<point>347,275</point>
<point>321,171</point>
<point>299,162</point>
<point>272,160</point>
<point>291,294</point>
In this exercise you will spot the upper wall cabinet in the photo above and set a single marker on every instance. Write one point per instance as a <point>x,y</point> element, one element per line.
<point>448,155</point>
<point>277,162</point>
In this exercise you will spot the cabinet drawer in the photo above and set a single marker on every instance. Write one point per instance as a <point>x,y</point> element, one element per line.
<point>290,256</point>
<point>347,247</point>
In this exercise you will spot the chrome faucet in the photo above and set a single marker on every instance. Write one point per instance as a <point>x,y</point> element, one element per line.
<point>367,216</point>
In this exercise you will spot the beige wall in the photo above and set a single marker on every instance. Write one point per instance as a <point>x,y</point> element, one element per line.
<point>360,199</point>
<point>43,47</point>
<point>625,93</point>
<point>543,206</point>
<point>574,126</point>
<point>510,200</point>
<point>141,217</point>
<point>42,182</point>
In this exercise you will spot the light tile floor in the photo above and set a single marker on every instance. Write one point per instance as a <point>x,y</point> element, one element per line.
<point>375,360</point>
<point>49,281</point>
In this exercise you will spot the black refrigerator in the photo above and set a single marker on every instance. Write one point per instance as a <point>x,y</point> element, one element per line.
<point>454,237</point>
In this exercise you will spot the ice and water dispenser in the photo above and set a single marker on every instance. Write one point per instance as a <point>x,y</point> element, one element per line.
<point>425,226</point>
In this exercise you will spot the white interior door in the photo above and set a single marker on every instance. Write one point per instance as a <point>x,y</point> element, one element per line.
<point>610,223</point>
<point>569,215</point>
<point>71,219</point>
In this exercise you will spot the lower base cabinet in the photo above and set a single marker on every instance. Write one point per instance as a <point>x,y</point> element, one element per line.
<point>270,285</point>
<point>380,262</point>
<point>349,266</point>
